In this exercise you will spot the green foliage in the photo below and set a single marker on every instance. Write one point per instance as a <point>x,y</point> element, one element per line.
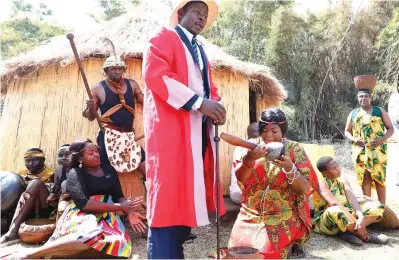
<point>388,49</point>
<point>242,27</point>
<point>113,8</point>
<point>24,34</point>
<point>26,29</point>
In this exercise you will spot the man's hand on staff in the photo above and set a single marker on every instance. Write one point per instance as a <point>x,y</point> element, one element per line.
<point>91,104</point>
<point>214,110</point>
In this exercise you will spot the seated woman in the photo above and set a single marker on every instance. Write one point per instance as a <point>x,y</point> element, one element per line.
<point>60,175</point>
<point>32,202</point>
<point>337,210</point>
<point>90,226</point>
<point>275,214</point>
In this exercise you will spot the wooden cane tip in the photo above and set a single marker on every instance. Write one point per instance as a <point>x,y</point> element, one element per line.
<point>70,36</point>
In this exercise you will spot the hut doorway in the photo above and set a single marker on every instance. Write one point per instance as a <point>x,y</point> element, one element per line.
<point>252,107</point>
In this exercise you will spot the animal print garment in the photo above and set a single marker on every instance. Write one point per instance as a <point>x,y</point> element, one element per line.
<point>123,152</point>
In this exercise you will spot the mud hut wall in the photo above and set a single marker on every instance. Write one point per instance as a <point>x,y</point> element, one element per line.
<point>45,110</point>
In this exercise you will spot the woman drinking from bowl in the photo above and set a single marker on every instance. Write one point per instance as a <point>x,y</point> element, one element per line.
<point>274,216</point>
<point>90,225</point>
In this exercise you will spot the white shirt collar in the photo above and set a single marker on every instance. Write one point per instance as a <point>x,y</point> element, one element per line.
<point>187,33</point>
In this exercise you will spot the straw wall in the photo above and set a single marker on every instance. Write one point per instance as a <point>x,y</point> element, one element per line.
<point>45,111</point>
<point>262,103</point>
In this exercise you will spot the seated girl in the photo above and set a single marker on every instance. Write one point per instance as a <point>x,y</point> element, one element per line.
<point>90,226</point>
<point>275,215</point>
<point>337,210</point>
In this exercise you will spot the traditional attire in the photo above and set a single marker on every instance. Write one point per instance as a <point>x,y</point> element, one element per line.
<point>272,217</point>
<point>181,183</point>
<point>103,232</point>
<point>331,220</point>
<point>45,175</point>
<point>180,179</point>
<point>373,159</point>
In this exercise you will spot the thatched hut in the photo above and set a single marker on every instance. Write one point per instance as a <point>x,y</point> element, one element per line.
<point>44,95</point>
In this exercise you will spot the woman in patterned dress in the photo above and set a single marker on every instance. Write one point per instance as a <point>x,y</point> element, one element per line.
<point>368,128</point>
<point>274,216</point>
<point>90,225</point>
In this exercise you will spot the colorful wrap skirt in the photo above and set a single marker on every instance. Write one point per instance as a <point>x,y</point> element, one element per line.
<point>103,232</point>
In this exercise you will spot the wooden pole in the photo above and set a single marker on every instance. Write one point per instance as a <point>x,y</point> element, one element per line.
<point>217,140</point>
<point>70,37</point>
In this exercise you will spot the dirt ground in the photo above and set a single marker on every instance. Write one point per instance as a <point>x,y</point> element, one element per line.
<point>318,247</point>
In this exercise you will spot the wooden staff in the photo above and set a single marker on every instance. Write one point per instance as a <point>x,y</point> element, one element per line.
<point>70,37</point>
<point>237,141</point>
<point>217,140</point>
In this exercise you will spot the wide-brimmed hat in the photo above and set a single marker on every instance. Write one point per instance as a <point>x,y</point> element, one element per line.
<point>111,61</point>
<point>213,11</point>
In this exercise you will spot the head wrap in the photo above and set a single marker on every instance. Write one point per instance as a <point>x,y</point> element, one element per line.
<point>113,61</point>
<point>62,148</point>
<point>364,91</point>
<point>34,154</point>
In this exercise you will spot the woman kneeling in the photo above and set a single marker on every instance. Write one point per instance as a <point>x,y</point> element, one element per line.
<point>90,226</point>
<point>275,214</point>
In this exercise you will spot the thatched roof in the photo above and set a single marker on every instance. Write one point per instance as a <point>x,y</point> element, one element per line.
<point>130,33</point>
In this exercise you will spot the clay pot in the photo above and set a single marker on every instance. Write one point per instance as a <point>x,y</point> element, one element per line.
<point>36,230</point>
<point>243,252</point>
<point>12,186</point>
<point>365,82</point>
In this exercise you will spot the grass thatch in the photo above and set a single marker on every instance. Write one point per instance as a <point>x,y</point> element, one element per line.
<point>130,34</point>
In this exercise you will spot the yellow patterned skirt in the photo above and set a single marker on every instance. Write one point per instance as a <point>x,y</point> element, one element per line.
<point>334,220</point>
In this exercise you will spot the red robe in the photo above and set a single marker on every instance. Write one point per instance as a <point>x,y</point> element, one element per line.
<point>180,183</point>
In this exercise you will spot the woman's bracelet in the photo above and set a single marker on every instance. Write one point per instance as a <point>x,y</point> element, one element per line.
<point>247,164</point>
<point>293,170</point>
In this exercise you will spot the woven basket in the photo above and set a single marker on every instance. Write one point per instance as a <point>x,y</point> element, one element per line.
<point>36,230</point>
<point>389,220</point>
<point>365,82</point>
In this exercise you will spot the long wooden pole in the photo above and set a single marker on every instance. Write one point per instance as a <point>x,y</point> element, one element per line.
<point>70,37</point>
<point>217,140</point>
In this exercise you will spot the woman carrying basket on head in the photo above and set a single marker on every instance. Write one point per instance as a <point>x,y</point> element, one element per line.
<point>368,128</point>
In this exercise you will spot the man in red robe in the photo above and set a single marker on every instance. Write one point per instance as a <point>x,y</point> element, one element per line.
<point>181,106</point>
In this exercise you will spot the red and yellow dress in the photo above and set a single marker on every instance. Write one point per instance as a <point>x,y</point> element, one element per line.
<point>272,217</point>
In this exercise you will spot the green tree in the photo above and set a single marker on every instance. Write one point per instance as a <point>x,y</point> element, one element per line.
<point>113,8</point>
<point>26,29</point>
<point>242,27</point>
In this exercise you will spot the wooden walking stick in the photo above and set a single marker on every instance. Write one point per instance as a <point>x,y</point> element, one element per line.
<point>217,140</point>
<point>70,37</point>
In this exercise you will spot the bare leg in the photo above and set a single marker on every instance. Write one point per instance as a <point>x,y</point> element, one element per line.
<point>37,191</point>
<point>67,246</point>
<point>366,185</point>
<point>381,192</point>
